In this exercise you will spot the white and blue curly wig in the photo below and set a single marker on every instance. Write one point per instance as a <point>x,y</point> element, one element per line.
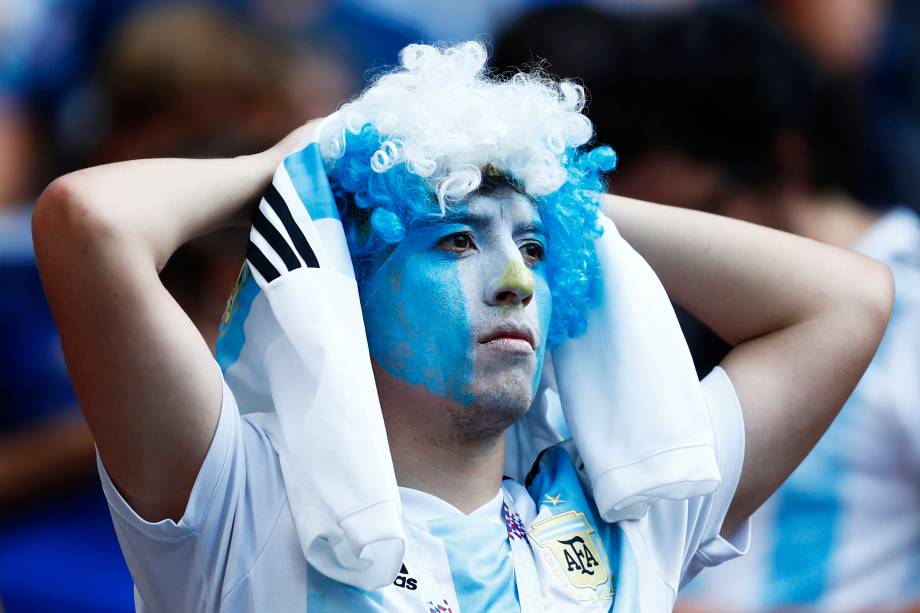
<point>421,138</point>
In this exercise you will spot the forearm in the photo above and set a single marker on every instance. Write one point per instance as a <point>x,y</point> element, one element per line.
<point>740,279</point>
<point>805,319</point>
<point>152,206</point>
<point>145,379</point>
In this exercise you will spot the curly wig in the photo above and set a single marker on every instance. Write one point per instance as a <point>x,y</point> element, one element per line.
<point>421,138</point>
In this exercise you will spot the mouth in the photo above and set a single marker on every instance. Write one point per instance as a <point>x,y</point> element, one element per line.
<point>514,338</point>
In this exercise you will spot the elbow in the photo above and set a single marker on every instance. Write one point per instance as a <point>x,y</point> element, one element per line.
<point>876,287</point>
<point>67,215</point>
<point>884,293</point>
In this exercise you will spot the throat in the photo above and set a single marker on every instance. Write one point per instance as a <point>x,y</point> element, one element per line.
<point>441,447</point>
<point>462,473</point>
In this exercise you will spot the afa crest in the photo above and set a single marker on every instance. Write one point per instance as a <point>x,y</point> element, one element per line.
<point>567,538</point>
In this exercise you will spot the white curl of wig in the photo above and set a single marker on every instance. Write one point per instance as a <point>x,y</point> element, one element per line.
<point>442,115</point>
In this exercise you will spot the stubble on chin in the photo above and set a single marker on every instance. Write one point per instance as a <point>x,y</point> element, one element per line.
<point>475,424</point>
<point>496,408</point>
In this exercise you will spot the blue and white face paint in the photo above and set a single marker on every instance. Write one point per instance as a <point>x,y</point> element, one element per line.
<point>461,307</point>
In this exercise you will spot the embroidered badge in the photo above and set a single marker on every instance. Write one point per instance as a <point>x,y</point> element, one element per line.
<point>567,545</point>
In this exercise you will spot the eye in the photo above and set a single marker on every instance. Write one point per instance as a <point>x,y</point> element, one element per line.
<point>533,252</point>
<point>461,242</point>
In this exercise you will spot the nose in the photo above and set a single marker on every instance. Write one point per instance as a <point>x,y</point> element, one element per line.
<point>514,286</point>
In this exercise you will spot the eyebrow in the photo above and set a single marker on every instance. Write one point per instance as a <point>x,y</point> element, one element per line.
<point>465,218</point>
<point>534,227</point>
<point>479,221</point>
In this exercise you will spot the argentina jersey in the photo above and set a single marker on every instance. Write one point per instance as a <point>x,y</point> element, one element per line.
<point>843,533</point>
<point>511,554</point>
<point>536,546</point>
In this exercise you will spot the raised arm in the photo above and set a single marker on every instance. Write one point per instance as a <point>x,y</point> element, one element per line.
<point>805,319</point>
<point>144,376</point>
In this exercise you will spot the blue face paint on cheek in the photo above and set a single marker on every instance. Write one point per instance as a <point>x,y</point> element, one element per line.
<point>416,321</point>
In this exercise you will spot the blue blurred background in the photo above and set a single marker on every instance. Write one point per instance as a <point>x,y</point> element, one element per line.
<point>85,82</point>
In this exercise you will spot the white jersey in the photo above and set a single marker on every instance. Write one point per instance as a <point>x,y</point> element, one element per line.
<point>538,546</point>
<point>843,533</point>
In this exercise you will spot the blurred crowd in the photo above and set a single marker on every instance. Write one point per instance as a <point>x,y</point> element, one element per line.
<point>803,115</point>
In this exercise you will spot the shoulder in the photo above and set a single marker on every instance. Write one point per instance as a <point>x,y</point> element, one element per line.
<point>675,538</point>
<point>560,466</point>
<point>237,517</point>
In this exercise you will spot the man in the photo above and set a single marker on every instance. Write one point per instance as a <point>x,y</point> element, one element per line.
<point>738,120</point>
<point>476,265</point>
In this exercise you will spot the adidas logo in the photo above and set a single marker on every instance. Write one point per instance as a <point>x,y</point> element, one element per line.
<point>404,581</point>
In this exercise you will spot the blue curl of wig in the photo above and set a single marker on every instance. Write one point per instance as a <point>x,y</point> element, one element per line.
<point>377,208</point>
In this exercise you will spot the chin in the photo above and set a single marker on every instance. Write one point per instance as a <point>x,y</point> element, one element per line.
<point>508,393</point>
<point>497,404</point>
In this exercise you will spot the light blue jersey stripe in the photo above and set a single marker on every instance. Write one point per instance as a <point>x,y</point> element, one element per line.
<point>232,337</point>
<point>808,512</point>
<point>480,563</point>
<point>912,583</point>
<point>308,175</point>
<point>566,528</point>
<point>327,596</point>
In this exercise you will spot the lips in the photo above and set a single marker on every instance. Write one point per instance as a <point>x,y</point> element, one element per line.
<point>510,335</point>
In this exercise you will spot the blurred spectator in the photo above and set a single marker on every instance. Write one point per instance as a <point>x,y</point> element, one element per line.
<point>365,35</point>
<point>191,80</point>
<point>175,81</point>
<point>46,458</point>
<point>50,51</point>
<point>20,153</point>
<point>448,20</point>
<point>874,46</point>
<point>20,149</point>
<point>719,110</point>
<point>843,34</point>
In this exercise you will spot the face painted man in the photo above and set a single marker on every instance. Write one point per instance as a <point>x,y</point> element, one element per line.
<point>471,211</point>
<point>461,309</point>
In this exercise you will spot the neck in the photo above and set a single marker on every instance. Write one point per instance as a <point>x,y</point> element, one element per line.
<point>432,452</point>
<point>831,218</point>
<point>466,475</point>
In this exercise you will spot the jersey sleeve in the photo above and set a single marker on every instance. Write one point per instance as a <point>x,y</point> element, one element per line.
<point>685,536</point>
<point>707,546</point>
<point>187,565</point>
<point>894,370</point>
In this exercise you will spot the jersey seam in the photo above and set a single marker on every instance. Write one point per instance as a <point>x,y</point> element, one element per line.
<point>658,573</point>
<point>707,521</point>
<point>369,505</point>
<point>652,455</point>
<point>719,451</point>
<point>258,556</point>
<point>718,429</point>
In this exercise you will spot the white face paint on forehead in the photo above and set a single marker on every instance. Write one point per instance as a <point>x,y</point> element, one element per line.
<point>462,306</point>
